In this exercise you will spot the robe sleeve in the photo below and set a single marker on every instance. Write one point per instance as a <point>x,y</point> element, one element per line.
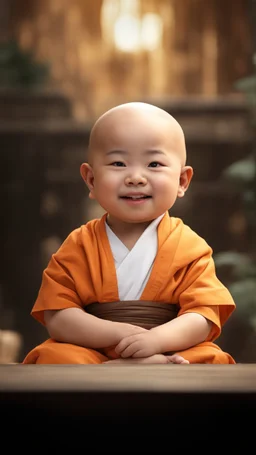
<point>58,288</point>
<point>200,291</point>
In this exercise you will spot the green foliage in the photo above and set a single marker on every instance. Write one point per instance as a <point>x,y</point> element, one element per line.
<point>242,286</point>
<point>19,68</point>
<point>244,294</point>
<point>241,174</point>
<point>247,86</point>
<point>240,264</point>
<point>241,267</point>
<point>242,272</point>
<point>242,171</point>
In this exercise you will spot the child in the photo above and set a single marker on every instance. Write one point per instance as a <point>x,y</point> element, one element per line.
<point>136,286</point>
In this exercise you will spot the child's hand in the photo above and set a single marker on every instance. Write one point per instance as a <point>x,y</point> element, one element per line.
<point>142,344</point>
<point>127,330</point>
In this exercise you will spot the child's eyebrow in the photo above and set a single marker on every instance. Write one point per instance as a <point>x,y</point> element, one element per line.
<point>153,152</point>
<point>116,152</point>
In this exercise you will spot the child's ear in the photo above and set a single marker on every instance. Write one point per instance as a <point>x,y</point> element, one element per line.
<point>88,177</point>
<point>185,179</point>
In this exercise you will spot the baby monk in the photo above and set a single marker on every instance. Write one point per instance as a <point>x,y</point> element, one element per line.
<point>137,285</point>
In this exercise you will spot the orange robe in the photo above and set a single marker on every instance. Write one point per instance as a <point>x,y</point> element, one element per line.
<point>83,271</point>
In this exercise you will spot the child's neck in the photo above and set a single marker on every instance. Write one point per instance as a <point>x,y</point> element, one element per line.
<point>128,233</point>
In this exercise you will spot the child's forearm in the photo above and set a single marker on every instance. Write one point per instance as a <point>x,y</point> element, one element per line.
<point>182,332</point>
<point>75,326</point>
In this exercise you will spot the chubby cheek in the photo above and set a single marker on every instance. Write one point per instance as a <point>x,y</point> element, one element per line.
<point>104,185</point>
<point>166,192</point>
<point>167,185</point>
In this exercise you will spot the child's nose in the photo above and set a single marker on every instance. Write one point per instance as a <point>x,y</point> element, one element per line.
<point>135,179</point>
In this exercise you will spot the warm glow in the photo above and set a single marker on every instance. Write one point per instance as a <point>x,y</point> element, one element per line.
<point>151,31</point>
<point>124,27</point>
<point>127,33</point>
<point>132,34</point>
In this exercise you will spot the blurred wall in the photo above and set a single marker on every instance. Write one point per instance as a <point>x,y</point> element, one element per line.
<point>200,49</point>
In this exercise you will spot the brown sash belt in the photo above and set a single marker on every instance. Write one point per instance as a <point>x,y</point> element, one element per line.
<point>146,314</point>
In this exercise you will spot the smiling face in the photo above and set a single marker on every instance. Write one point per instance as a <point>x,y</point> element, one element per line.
<point>136,164</point>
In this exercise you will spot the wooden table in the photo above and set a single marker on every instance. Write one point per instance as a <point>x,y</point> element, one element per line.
<point>133,393</point>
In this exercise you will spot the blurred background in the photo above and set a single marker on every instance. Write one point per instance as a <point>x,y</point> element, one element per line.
<point>62,64</point>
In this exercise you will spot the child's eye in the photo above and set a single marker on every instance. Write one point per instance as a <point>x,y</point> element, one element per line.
<point>117,164</point>
<point>154,164</point>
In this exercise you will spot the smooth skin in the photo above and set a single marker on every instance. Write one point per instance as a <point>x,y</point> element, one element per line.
<point>136,170</point>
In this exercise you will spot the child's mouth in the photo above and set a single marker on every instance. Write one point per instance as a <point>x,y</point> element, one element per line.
<point>135,198</point>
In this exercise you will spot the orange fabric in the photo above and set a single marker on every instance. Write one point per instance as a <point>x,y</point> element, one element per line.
<point>52,352</point>
<point>82,271</point>
<point>207,352</point>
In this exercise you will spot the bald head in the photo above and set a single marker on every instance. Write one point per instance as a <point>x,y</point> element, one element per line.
<point>140,119</point>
